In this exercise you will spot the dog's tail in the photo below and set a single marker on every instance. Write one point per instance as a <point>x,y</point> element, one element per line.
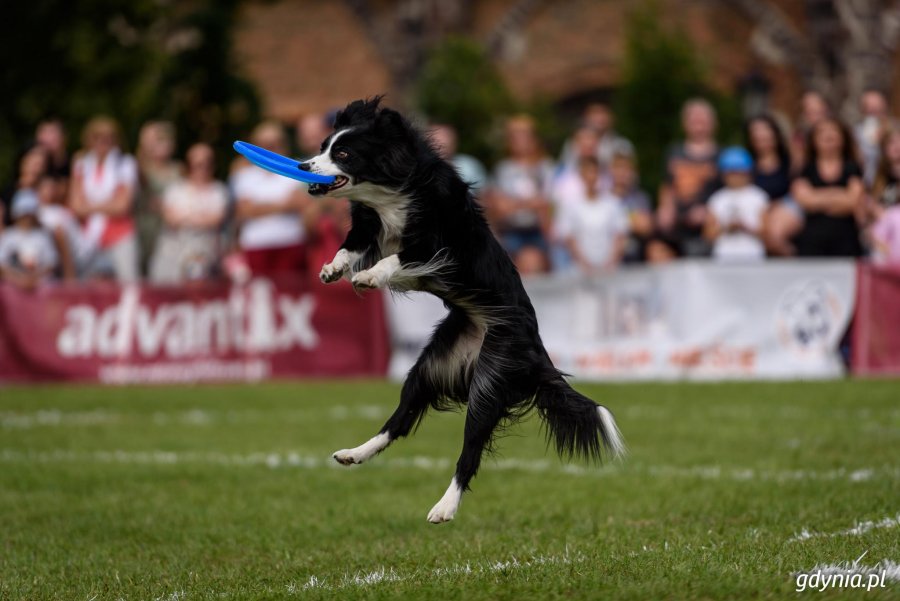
<point>576,425</point>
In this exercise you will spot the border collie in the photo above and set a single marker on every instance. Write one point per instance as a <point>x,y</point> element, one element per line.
<point>416,226</point>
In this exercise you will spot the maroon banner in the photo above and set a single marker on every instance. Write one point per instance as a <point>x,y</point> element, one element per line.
<point>876,327</point>
<point>203,332</point>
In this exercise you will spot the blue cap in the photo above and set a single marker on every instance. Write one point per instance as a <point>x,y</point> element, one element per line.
<point>24,202</point>
<point>735,158</point>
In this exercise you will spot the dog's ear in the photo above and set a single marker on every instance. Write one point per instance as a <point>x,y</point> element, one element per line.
<point>392,124</point>
<point>357,112</point>
<point>398,160</point>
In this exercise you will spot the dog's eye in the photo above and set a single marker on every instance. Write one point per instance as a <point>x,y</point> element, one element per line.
<point>341,155</point>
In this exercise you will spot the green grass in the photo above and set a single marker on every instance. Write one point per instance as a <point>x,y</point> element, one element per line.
<point>228,493</point>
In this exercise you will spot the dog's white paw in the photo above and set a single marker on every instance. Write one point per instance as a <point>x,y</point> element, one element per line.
<point>363,452</point>
<point>348,457</point>
<point>332,272</point>
<point>366,279</point>
<point>442,512</point>
<point>448,505</point>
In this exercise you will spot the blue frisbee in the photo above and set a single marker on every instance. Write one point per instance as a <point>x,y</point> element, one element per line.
<point>274,162</point>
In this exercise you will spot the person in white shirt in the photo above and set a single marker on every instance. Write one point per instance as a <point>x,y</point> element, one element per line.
<point>27,251</point>
<point>271,211</point>
<point>735,215</point>
<point>193,211</point>
<point>104,184</point>
<point>593,224</point>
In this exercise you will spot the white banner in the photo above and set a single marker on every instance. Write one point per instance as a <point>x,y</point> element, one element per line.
<point>686,320</point>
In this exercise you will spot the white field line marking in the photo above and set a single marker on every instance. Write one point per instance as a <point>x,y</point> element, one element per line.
<point>365,579</point>
<point>23,420</point>
<point>293,459</point>
<point>858,530</point>
<point>52,417</point>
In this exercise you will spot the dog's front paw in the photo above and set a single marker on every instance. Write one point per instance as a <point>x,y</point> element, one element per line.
<point>442,512</point>
<point>366,280</point>
<point>347,457</point>
<point>332,272</point>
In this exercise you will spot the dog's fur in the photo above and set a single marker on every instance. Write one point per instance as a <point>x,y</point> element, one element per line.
<point>415,226</point>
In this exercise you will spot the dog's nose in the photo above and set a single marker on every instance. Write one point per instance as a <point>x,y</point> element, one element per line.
<point>307,166</point>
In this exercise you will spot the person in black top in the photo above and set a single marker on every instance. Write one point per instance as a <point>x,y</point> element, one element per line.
<point>32,164</point>
<point>772,172</point>
<point>691,175</point>
<point>830,190</point>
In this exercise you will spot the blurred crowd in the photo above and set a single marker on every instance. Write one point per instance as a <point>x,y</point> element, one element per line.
<point>812,188</point>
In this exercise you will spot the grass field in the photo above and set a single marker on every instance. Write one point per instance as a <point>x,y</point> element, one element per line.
<point>229,493</point>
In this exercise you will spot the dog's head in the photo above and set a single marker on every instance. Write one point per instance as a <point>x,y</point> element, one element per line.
<point>371,148</point>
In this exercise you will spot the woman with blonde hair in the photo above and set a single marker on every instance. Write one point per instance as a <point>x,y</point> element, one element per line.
<point>104,183</point>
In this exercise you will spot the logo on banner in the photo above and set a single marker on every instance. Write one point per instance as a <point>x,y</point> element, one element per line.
<point>807,317</point>
<point>257,319</point>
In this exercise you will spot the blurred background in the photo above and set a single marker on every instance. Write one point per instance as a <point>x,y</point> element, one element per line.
<point>619,149</point>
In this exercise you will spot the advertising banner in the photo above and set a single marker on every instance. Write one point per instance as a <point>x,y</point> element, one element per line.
<point>202,332</point>
<point>686,320</point>
<point>876,328</point>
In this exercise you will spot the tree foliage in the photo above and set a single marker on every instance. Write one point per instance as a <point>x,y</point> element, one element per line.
<point>136,60</point>
<point>661,70</point>
<point>459,85</point>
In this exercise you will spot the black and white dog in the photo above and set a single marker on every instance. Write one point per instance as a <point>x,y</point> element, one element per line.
<point>415,226</point>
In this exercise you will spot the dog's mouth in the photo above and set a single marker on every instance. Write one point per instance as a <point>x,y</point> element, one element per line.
<point>319,189</point>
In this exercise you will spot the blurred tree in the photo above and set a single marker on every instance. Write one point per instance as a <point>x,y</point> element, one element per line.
<point>660,71</point>
<point>405,32</point>
<point>134,60</point>
<point>846,46</point>
<point>459,85</point>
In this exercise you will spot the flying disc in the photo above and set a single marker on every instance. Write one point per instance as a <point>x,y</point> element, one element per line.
<point>282,165</point>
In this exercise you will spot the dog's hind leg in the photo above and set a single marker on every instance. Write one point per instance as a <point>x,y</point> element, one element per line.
<point>481,421</point>
<point>439,372</point>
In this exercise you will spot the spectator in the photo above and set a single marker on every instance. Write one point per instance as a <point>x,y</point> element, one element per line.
<point>518,204</point>
<point>772,173</point>
<point>690,178</point>
<point>56,218</point>
<point>104,183</point>
<point>830,191</point>
<point>736,211</point>
<point>158,171</point>
<point>624,187</point>
<point>598,118</point>
<point>873,107</point>
<point>595,224</point>
<point>568,183</point>
<point>886,236</point>
<point>193,211</point>
<point>51,135</point>
<point>269,211</point>
<point>660,250</point>
<point>470,169</point>
<point>884,199</point>
<point>31,167</point>
<point>27,253</point>
<point>312,129</point>
<point>886,187</point>
<point>813,109</point>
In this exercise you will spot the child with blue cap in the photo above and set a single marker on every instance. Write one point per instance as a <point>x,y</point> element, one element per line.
<point>735,218</point>
<point>27,252</point>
